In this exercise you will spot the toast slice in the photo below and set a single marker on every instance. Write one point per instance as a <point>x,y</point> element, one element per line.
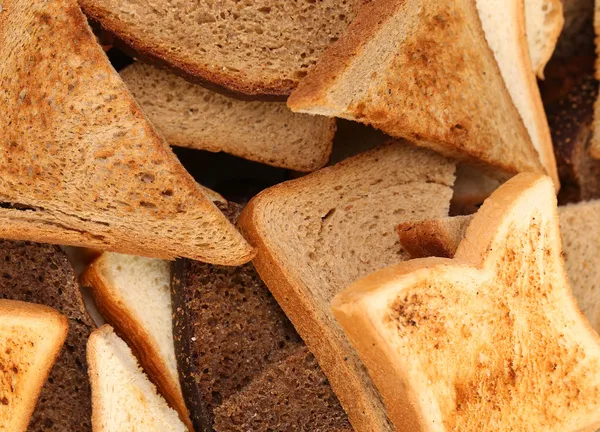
<point>505,31</point>
<point>38,273</point>
<point>545,21</point>
<point>261,47</point>
<point>31,337</point>
<point>192,116</point>
<point>581,248</point>
<point>396,69</point>
<point>490,339</point>
<point>80,163</point>
<point>317,234</point>
<point>133,294</point>
<point>123,398</point>
<point>230,310</point>
<point>291,395</point>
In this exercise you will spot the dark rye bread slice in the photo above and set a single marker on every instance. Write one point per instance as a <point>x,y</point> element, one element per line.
<point>259,47</point>
<point>570,120</point>
<point>293,395</point>
<point>227,329</point>
<point>38,273</point>
<point>81,165</point>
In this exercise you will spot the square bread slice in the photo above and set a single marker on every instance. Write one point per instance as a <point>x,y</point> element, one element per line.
<point>133,294</point>
<point>317,234</point>
<point>81,165</point>
<point>489,340</point>
<point>422,70</point>
<point>123,398</point>
<point>580,232</point>
<point>191,116</point>
<point>31,336</point>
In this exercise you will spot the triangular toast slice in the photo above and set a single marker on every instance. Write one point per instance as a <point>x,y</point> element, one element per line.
<point>579,225</point>
<point>80,163</point>
<point>317,234</point>
<point>31,336</point>
<point>421,69</point>
<point>491,339</point>
<point>123,398</point>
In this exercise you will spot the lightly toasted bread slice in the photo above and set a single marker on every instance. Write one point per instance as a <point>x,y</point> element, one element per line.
<point>191,116</point>
<point>31,336</point>
<point>504,26</point>
<point>123,398</point>
<point>545,21</point>
<point>42,274</point>
<point>491,338</point>
<point>317,234</point>
<point>422,70</point>
<point>258,48</point>
<point>80,163</point>
<point>132,293</point>
<point>579,225</point>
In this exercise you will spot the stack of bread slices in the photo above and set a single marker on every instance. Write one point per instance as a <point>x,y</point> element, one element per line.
<point>324,216</point>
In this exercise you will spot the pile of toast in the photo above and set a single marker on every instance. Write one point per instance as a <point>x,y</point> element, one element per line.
<point>311,215</point>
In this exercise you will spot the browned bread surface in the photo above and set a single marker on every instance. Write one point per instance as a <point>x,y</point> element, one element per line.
<point>227,329</point>
<point>80,163</point>
<point>31,336</point>
<point>491,337</point>
<point>41,274</point>
<point>259,47</point>
<point>317,234</point>
<point>422,70</point>
<point>191,116</point>
<point>292,395</point>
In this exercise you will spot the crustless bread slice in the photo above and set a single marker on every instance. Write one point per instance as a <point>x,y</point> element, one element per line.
<point>579,225</point>
<point>259,47</point>
<point>489,340</point>
<point>132,293</point>
<point>80,163</point>
<point>31,336</point>
<point>421,69</point>
<point>123,399</point>
<point>192,116</point>
<point>317,234</point>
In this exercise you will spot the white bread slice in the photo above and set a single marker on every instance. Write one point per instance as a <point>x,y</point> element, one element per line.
<point>545,21</point>
<point>80,163</point>
<point>422,70</point>
<point>191,116</point>
<point>123,399</point>
<point>489,340</point>
<point>504,26</point>
<point>31,336</point>
<point>579,226</point>
<point>133,294</point>
<point>317,234</point>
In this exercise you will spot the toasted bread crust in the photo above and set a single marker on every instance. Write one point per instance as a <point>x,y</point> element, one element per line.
<point>57,327</point>
<point>132,332</point>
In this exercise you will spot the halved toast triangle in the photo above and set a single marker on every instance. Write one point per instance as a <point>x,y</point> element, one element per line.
<point>80,163</point>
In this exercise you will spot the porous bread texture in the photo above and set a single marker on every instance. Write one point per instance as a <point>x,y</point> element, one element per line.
<point>492,339</point>
<point>40,273</point>
<point>259,47</point>
<point>581,247</point>
<point>317,234</point>
<point>123,398</point>
<point>544,20</point>
<point>191,116</point>
<point>133,294</point>
<point>291,395</point>
<point>30,337</point>
<point>80,163</point>
<point>504,26</point>
<point>420,69</point>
